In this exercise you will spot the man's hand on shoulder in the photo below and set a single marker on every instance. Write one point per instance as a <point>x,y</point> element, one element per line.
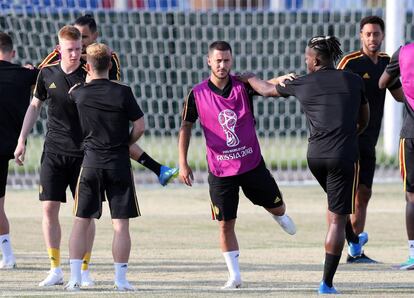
<point>29,66</point>
<point>281,80</point>
<point>245,76</point>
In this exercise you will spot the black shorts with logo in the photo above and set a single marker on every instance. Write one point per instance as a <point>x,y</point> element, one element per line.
<point>4,169</point>
<point>339,179</point>
<point>406,158</point>
<point>57,172</point>
<point>117,184</point>
<point>367,162</point>
<point>258,185</point>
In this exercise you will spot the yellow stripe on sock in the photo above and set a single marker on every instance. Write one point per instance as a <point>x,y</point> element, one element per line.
<point>86,261</point>
<point>54,257</point>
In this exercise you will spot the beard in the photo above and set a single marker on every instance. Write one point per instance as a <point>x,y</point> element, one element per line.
<point>222,75</point>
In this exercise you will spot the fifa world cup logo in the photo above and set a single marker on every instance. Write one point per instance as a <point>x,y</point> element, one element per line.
<point>228,120</point>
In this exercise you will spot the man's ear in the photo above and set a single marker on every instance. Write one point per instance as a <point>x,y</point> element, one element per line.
<point>13,54</point>
<point>95,35</point>
<point>317,61</point>
<point>208,61</point>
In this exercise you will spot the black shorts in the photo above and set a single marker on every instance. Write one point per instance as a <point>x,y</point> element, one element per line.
<point>118,185</point>
<point>367,161</point>
<point>258,185</point>
<point>57,172</point>
<point>4,169</point>
<point>339,179</point>
<point>406,157</point>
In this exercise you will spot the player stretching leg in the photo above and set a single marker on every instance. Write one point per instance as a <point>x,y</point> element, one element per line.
<point>336,109</point>
<point>223,105</point>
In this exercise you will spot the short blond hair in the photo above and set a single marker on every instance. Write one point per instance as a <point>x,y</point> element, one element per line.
<point>98,55</point>
<point>69,32</point>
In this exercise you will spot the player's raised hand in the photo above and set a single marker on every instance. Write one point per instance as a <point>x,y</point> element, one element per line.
<point>280,80</point>
<point>29,66</point>
<point>19,154</point>
<point>186,175</point>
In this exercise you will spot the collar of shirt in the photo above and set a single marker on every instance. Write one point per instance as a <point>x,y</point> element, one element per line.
<point>226,90</point>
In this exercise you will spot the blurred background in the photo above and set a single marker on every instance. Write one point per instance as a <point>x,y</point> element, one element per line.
<point>162,45</point>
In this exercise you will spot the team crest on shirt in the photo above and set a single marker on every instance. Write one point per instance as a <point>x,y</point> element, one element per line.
<point>228,119</point>
<point>277,200</point>
<point>366,76</point>
<point>52,85</point>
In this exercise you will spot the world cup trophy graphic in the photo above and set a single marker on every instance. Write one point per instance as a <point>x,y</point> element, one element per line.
<point>228,119</point>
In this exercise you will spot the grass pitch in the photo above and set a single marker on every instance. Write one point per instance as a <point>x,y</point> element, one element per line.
<point>175,247</point>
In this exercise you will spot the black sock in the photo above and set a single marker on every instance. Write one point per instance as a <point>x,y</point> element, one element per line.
<point>331,263</point>
<point>149,163</point>
<point>349,233</point>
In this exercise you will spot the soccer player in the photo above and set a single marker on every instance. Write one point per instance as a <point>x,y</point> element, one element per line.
<point>15,89</point>
<point>62,153</point>
<point>105,110</point>
<point>401,64</point>
<point>336,109</point>
<point>369,63</point>
<point>87,26</point>
<point>224,107</point>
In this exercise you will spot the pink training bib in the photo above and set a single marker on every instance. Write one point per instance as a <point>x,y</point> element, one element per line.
<point>229,129</point>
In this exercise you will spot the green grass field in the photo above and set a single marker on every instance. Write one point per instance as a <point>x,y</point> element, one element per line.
<point>175,248</point>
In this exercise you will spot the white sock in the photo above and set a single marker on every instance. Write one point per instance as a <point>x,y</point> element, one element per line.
<point>75,270</point>
<point>279,217</point>
<point>411,248</point>
<point>120,272</point>
<point>85,272</point>
<point>57,270</point>
<point>6,248</point>
<point>232,261</point>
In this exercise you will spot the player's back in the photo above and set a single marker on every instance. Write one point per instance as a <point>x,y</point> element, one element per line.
<point>15,88</point>
<point>105,110</point>
<point>331,100</point>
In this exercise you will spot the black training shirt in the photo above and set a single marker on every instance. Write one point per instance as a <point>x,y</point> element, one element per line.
<point>190,113</point>
<point>362,65</point>
<point>105,111</point>
<point>64,134</point>
<point>331,101</point>
<point>15,88</point>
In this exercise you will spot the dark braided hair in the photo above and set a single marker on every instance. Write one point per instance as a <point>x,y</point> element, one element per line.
<point>327,47</point>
